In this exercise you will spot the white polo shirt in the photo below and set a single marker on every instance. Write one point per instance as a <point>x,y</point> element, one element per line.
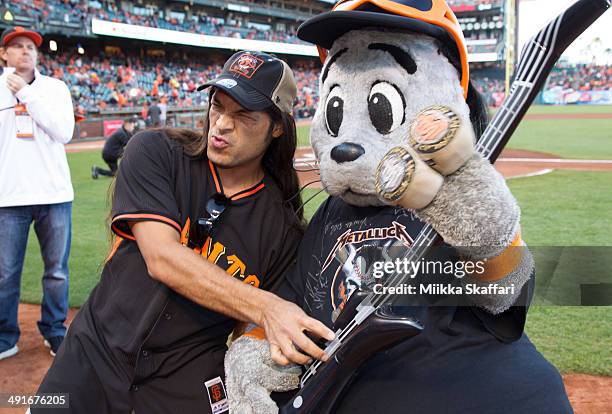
<point>35,170</point>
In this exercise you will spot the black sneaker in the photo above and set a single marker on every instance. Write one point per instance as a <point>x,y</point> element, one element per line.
<point>94,172</point>
<point>54,343</point>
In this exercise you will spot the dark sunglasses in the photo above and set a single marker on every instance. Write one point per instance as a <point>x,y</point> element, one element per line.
<point>204,227</point>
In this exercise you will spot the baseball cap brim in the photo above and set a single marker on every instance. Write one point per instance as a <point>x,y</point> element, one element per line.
<point>35,37</point>
<point>248,97</point>
<point>325,28</point>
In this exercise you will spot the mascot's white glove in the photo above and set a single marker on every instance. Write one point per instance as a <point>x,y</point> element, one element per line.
<point>251,375</point>
<point>460,194</point>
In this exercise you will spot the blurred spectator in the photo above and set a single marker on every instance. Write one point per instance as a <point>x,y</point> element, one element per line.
<point>154,116</point>
<point>113,148</point>
<point>492,89</point>
<point>163,107</point>
<point>36,120</point>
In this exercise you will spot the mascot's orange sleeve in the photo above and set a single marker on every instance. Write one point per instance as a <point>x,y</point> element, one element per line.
<point>503,264</point>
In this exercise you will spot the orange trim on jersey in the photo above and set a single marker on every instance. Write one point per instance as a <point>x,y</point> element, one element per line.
<point>122,233</point>
<point>155,217</point>
<point>185,232</point>
<point>248,193</point>
<point>116,244</point>
<point>257,333</point>
<point>239,194</point>
<point>214,175</point>
<point>503,264</point>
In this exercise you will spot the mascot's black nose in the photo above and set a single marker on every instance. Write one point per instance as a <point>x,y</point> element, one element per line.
<point>346,152</point>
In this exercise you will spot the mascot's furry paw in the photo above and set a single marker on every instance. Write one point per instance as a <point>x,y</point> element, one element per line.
<point>474,210</point>
<point>441,139</point>
<point>439,145</point>
<point>450,187</point>
<point>251,376</point>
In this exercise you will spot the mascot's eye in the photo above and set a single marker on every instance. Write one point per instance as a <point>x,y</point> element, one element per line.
<point>387,107</point>
<point>334,109</point>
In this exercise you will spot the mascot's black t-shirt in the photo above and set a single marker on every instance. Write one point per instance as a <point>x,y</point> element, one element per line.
<point>135,329</point>
<point>465,360</point>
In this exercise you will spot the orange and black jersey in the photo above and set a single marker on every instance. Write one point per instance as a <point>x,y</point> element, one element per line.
<point>135,328</point>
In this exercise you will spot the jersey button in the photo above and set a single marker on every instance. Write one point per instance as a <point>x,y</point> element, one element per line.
<point>145,354</point>
<point>168,316</point>
<point>134,388</point>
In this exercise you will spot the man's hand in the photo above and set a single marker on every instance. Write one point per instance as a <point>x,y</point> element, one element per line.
<point>285,323</point>
<point>206,284</point>
<point>15,83</point>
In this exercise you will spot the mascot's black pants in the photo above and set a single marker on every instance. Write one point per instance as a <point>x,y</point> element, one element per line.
<point>457,367</point>
<point>86,377</point>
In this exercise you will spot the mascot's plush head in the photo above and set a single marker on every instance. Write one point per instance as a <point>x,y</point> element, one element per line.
<point>384,62</point>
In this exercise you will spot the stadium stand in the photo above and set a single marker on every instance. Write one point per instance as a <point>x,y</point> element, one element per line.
<point>107,80</point>
<point>581,77</point>
<point>77,14</point>
<point>193,18</point>
<point>119,80</point>
<point>121,74</point>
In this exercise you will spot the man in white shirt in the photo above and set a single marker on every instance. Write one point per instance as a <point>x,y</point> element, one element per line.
<point>36,120</point>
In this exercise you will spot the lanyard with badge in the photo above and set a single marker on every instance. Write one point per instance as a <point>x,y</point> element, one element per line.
<point>23,121</point>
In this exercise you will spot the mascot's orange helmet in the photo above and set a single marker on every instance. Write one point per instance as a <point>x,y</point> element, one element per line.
<point>431,17</point>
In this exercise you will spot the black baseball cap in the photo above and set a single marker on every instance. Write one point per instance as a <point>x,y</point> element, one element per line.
<point>257,81</point>
<point>13,32</point>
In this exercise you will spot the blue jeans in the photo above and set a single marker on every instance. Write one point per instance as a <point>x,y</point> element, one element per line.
<point>52,223</point>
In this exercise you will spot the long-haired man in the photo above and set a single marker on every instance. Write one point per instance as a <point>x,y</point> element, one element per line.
<point>202,220</point>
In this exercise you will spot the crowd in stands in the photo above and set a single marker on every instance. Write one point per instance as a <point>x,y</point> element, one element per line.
<point>581,78</point>
<point>107,81</point>
<point>122,81</point>
<point>81,12</point>
<point>492,89</point>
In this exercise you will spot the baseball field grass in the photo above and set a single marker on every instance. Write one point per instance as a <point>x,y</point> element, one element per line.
<point>564,208</point>
<point>567,138</point>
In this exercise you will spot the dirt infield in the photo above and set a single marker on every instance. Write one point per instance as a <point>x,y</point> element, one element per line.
<point>22,373</point>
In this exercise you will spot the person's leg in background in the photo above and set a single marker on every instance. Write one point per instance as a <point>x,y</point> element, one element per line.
<point>53,225</point>
<point>112,164</point>
<point>15,224</point>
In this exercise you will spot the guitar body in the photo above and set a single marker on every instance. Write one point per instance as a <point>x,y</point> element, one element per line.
<point>381,330</point>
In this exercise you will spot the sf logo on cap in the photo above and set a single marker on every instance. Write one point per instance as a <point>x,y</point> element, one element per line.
<point>246,65</point>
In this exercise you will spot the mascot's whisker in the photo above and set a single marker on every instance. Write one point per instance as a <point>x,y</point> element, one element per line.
<point>313,196</point>
<point>302,189</point>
